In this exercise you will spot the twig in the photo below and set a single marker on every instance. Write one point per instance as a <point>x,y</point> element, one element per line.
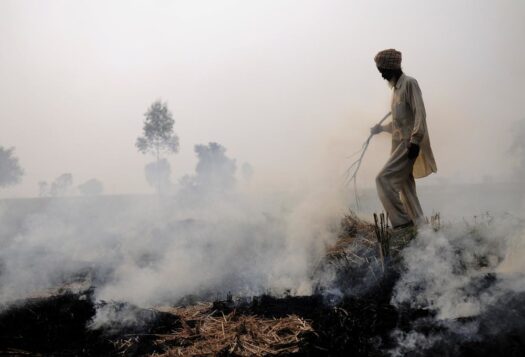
<point>356,165</point>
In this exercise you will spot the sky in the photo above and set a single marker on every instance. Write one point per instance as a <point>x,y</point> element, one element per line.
<point>288,86</point>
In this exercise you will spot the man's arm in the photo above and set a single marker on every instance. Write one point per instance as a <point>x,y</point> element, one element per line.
<point>415,99</point>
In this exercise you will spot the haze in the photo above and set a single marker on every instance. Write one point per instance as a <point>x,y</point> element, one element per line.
<point>288,86</point>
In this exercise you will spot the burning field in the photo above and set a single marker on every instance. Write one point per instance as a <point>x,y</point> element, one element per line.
<point>206,178</point>
<point>453,291</point>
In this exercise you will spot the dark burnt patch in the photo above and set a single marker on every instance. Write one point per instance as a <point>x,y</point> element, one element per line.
<point>58,326</point>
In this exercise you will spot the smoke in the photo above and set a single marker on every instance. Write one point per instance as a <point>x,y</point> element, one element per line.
<point>91,187</point>
<point>158,175</point>
<point>517,149</point>
<point>215,172</point>
<point>461,273</point>
<point>61,186</point>
<point>247,171</point>
<point>211,238</point>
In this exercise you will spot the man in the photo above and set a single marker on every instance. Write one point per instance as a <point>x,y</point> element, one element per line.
<point>411,156</point>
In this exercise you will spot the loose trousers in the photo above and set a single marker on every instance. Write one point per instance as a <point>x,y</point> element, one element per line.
<point>396,188</point>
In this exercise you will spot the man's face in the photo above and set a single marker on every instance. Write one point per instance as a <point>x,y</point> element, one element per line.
<point>387,74</point>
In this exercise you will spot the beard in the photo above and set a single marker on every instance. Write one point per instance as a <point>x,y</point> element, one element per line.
<point>391,83</point>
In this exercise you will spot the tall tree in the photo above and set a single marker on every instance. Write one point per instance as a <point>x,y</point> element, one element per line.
<point>10,171</point>
<point>158,136</point>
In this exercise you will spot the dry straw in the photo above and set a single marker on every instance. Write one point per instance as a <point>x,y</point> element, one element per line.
<point>207,333</point>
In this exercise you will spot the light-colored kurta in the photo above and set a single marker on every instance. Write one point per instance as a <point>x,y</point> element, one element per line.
<point>409,124</point>
<point>395,182</point>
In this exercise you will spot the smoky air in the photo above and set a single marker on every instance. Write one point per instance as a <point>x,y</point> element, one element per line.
<point>174,179</point>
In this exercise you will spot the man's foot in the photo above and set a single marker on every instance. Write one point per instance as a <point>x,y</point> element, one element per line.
<point>401,236</point>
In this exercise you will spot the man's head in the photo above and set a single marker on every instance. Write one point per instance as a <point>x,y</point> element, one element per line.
<point>388,62</point>
<point>390,75</point>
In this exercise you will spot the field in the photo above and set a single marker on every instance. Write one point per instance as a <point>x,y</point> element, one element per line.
<point>69,266</point>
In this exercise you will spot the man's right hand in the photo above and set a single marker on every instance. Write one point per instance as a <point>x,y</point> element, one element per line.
<point>413,151</point>
<point>376,129</point>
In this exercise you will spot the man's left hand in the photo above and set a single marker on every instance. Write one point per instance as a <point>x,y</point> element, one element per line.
<point>413,151</point>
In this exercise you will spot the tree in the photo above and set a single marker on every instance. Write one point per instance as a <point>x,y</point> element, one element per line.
<point>215,172</point>
<point>158,131</point>
<point>61,185</point>
<point>214,168</point>
<point>91,187</point>
<point>43,189</point>
<point>10,171</point>
<point>158,175</point>
<point>158,136</point>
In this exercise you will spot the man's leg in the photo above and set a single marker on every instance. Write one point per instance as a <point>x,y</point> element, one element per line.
<point>390,182</point>
<point>410,200</point>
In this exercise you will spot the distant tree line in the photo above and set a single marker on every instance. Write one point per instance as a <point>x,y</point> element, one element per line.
<point>63,186</point>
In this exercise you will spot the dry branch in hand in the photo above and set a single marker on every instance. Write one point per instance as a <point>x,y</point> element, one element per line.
<point>351,172</point>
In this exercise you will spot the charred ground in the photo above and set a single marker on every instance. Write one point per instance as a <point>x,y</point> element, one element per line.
<point>361,321</point>
<point>358,326</point>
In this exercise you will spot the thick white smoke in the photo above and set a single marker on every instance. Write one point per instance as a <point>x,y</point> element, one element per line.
<point>461,272</point>
<point>211,238</point>
<point>466,267</point>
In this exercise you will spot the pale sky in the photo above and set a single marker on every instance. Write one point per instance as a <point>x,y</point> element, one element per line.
<point>289,86</point>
